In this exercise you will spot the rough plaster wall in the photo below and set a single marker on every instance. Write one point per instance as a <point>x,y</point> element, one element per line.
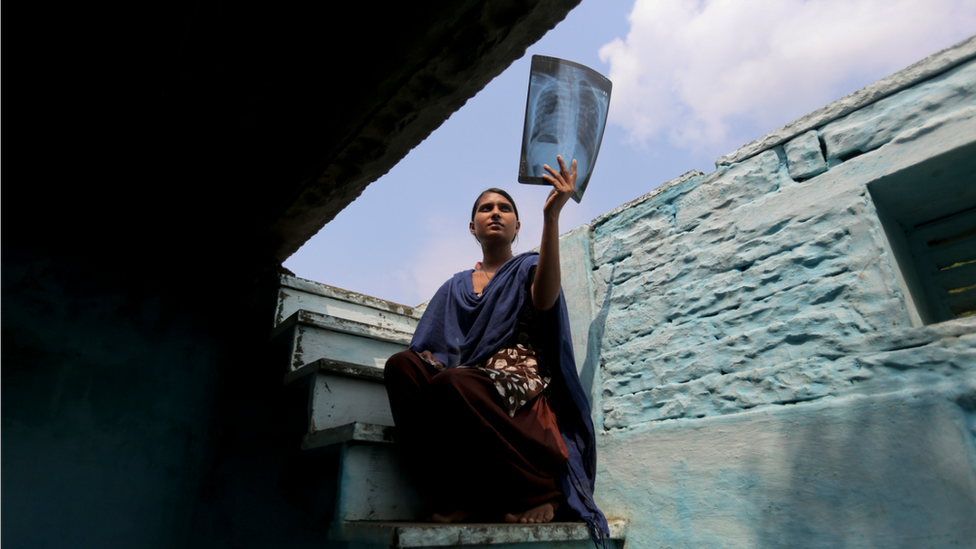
<point>753,335</point>
<point>134,417</point>
<point>105,412</point>
<point>748,288</point>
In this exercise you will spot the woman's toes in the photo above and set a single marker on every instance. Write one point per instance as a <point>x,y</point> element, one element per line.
<point>536,515</point>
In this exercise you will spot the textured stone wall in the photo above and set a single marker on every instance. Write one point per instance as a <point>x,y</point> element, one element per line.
<point>768,282</point>
<point>763,380</point>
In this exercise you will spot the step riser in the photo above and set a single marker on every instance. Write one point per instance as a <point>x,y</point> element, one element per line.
<point>373,486</point>
<point>290,300</point>
<point>337,400</point>
<point>310,343</point>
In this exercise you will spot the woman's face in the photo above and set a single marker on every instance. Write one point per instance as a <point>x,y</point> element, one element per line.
<point>494,220</point>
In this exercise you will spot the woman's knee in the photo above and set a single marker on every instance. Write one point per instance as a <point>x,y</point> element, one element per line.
<point>401,363</point>
<point>458,381</point>
<point>449,377</point>
<point>399,360</point>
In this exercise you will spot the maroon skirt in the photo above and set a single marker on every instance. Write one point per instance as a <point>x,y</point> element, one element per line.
<point>459,442</point>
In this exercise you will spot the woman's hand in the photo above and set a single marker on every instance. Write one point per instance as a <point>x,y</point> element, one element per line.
<point>563,183</point>
<point>545,286</point>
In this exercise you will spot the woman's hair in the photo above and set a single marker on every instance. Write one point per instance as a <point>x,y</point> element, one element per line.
<point>496,191</point>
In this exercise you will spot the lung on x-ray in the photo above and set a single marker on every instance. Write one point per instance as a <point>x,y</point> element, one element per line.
<point>565,114</point>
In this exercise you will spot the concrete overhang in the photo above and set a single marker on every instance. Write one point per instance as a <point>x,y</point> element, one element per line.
<point>206,131</point>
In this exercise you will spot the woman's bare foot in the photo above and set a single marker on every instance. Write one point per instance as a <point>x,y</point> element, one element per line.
<point>453,516</point>
<point>535,515</point>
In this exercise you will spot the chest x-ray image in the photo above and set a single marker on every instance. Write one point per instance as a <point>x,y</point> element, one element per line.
<point>565,114</point>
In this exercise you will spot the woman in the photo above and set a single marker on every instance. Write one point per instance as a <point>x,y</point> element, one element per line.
<point>489,410</point>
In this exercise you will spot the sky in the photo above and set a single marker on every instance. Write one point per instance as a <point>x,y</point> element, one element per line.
<point>692,80</point>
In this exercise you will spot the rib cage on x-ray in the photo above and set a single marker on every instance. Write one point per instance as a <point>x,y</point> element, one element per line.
<point>566,119</point>
<point>565,114</point>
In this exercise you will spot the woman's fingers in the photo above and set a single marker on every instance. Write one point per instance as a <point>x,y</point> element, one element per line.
<point>569,175</point>
<point>562,173</point>
<point>554,174</point>
<point>564,180</point>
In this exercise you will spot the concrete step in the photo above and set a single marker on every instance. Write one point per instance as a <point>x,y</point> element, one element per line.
<point>371,483</point>
<point>296,294</point>
<point>312,338</point>
<point>376,506</point>
<point>340,395</point>
<point>338,342</point>
<point>397,535</point>
<point>351,432</point>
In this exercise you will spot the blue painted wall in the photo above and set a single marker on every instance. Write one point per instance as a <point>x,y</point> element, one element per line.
<point>763,382</point>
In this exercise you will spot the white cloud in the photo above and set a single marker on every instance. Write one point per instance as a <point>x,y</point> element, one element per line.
<point>691,69</point>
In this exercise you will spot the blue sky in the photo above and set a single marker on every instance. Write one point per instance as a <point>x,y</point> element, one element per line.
<point>693,80</point>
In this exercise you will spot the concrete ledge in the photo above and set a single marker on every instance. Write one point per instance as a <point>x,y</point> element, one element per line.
<point>929,67</point>
<point>352,432</point>
<point>601,219</point>
<point>335,401</point>
<point>337,367</point>
<point>421,534</point>
<point>296,293</point>
<point>342,326</point>
<point>320,342</point>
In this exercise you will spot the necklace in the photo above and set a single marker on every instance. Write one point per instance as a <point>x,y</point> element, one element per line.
<point>488,276</point>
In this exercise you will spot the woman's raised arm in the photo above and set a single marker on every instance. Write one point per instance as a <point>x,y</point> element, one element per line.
<point>545,286</point>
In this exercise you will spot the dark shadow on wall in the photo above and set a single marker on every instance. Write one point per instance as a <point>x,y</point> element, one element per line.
<point>893,471</point>
<point>588,377</point>
<point>141,415</point>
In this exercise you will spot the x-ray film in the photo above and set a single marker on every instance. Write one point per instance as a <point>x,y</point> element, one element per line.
<point>565,114</point>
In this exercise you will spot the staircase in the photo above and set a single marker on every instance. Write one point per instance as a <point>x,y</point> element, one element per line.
<point>336,343</point>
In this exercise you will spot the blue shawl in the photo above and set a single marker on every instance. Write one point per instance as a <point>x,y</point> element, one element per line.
<point>460,328</point>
